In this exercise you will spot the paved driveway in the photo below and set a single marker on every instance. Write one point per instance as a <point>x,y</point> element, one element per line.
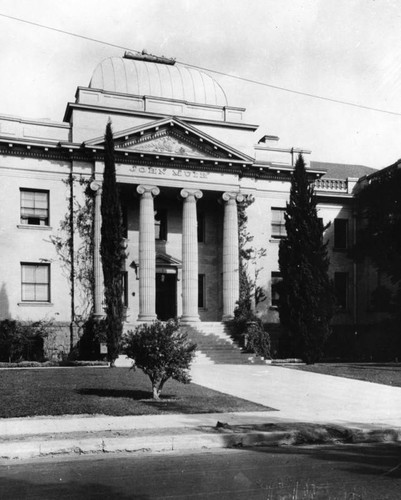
<point>305,396</point>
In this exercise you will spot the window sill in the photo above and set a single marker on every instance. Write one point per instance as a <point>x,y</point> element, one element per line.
<point>35,304</point>
<point>34,227</point>
<point>276,240</point>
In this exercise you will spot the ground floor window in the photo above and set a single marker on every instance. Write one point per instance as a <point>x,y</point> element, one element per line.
<point>35,282</point>
<point>274,292</point>
<point>201,291</point>
<point>341,290</point>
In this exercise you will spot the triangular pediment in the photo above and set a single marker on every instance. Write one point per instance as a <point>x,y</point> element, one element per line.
<point>165,260</point>
<point>174,138</point>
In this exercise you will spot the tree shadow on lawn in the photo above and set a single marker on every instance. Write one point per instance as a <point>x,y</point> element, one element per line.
<point>135,394</point>
<point>172,403</point>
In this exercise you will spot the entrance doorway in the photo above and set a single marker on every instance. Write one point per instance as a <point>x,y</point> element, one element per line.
<point>166,295</point>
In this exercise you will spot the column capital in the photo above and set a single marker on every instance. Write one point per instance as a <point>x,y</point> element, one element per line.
<point>95,186</point>
<point>195,194</point>
<point>145,188</point>
<point>232,195</point>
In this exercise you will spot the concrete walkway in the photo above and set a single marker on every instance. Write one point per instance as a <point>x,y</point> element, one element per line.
<point>305,396</point>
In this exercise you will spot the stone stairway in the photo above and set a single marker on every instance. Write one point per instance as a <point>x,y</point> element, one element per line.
<point>215,346</point>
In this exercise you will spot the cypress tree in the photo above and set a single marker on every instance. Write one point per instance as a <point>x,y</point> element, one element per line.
<point>306,302</point>
<point>111,250</point>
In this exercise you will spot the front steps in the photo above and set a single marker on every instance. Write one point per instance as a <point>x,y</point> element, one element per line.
<point>215,346</point>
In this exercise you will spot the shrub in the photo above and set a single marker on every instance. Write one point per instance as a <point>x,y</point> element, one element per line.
<point>88,346</point>
<point>162,351</point>
<point>257,339</point>
<point>23,341</point>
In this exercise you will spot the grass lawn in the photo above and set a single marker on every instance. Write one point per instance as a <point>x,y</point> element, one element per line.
<point>117,391</point>
<point>380,373</point>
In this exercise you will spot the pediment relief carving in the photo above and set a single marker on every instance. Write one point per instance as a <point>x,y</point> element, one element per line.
<point>171,142</point>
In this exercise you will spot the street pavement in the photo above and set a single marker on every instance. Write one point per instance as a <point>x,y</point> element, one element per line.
<point>342,472</point>
<point>307,407</point>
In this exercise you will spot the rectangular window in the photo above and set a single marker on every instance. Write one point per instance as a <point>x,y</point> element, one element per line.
<point>35,282</point>
<point>278,223</point>
<point>274,292</point>
<point>340,234</point>
<point>125,288</point>
<point>201,227</point>
<point>161,225</point>
<point>201,291</point>
<point>341,290</point>
<point>34,207</point>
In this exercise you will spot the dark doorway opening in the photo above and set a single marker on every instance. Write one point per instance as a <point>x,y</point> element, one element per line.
<point>166,296</point>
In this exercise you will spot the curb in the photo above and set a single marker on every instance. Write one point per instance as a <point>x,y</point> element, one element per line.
<point>178,440</point>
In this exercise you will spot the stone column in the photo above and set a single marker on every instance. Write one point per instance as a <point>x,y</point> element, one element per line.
<point>230,254</point>
<point>190,256</point>
<point>97,264</point>
<point>147,254</point>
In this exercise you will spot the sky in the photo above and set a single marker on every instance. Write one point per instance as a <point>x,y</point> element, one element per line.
<point>346,50</point>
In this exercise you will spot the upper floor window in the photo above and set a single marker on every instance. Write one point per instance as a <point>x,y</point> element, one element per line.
<point>34,207</point>
<point>278,223</point>
<point>35,282</point>
<point>201,227</point>
<point>341,234</point>
<point>161,224</point>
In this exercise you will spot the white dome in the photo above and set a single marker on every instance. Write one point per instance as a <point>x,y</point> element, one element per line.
<point>135,77</point>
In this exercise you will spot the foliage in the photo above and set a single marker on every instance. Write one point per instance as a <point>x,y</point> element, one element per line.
<point>81,223</point>
<point>379,205</point>
<point>249,289</point>
<point>379,208</point>
<point>93,334</point>
<point>258,340</point>
<point>250,293</point>
<point>162,351</point>
<point>306,297</point>
<point>382,299</point>
<point>112,250</point>
<point>23,341</point>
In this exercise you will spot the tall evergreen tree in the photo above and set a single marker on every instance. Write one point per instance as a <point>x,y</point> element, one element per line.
<point>111,250</point>
<point>306,301</point>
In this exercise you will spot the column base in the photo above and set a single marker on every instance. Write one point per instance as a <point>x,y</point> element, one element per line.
<point>147,318</point>
<point>185,320</point>
<point>227,317</point>
<point>99,316</point>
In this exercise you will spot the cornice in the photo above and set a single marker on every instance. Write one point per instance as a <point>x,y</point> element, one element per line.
<point>148,114</point>
<point>31,121</point>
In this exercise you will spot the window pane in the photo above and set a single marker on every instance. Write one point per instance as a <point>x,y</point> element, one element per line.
<point>201,227</point>
<point>340,233</point>
<point>42,293</point>
<point>40,200</point>
<point>201,290</point>
<point>42,274</point>
<point>27,198</point>
<point>28,292</point>
<point>28,274</point>
<point>275,280</point>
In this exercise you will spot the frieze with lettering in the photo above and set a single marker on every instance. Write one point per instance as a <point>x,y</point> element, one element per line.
<point>169,172</point>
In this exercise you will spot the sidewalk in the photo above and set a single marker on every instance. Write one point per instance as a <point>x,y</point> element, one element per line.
<point>311,408</point>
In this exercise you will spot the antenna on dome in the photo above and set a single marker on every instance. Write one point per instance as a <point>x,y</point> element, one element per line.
<point>144,56</point>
